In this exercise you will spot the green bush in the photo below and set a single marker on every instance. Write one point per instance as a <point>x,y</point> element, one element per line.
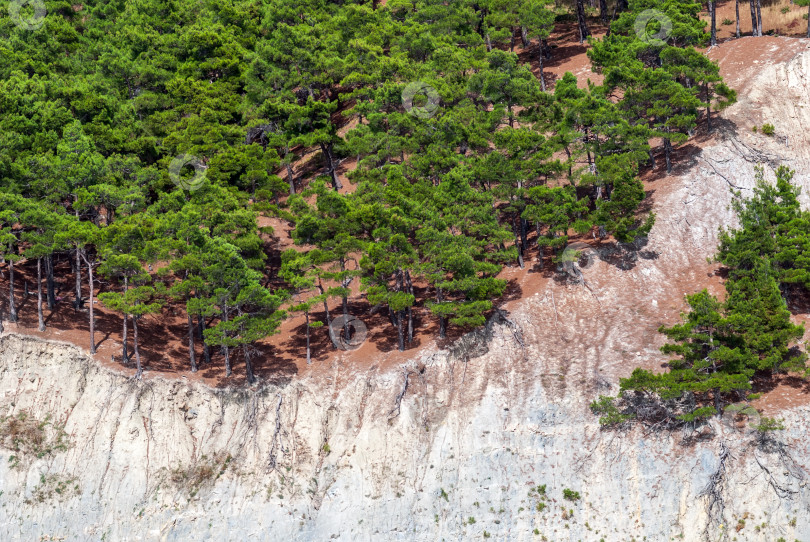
<point>768,129</point>
<point>727,22</point>
<point>570,495</point>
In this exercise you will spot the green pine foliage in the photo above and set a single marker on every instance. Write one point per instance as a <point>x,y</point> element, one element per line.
<point>281,103</point>
<point>720,345</point>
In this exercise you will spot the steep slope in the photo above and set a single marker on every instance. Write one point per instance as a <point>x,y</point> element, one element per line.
<point>454,444</point>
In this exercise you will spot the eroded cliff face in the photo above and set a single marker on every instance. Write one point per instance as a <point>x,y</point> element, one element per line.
<point>454,444</point>
<point>166,460</point>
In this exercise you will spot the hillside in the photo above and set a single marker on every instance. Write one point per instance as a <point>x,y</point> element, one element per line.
<point>451,440</point>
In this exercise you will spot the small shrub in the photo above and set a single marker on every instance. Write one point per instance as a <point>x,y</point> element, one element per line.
<point>754,128</point>
<point>443,495</point>
<point>570,495</point>
<point>785,9</point>
<point>471,520</point>
<point>54,486</point>
<point>754,396</point>
<point>30,437</point>
<point>768,129</point>
<point>486,534</point>
<point>203,472</point>
<point>541,506</point>
<point>608,412</point>
<point>727,22</point>
<point>769,424</point>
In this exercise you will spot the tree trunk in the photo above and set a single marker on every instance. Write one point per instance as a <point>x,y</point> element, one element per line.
<point>139,371</point>
<point>225,350</point>
<point>708,109</point>
<point>753,17</point>
<point>808,20</point>
<point>524,37</point>
<point>622,5</point>
<point>12,306</point>
<point>713,13</point>
<point>542,62</point>
<point>125,331</point>
<point>347,330</point>
<point>291,179</point>
<point>409,285</point>
<point>518,244</point>
<point>50,281</point>
<point>652,158</point>
<point>401,331</point>
<point>328,316</point>
<point>603,11</point>
<point>489,44</point>
<point>737,11</point>
<point>92,319</point>
<point>759,17</point>
<point>40,317</point>
<point>329,159</point>
<point>251,378</point>
<point>78,273</point>
<point>667,154</point>
<point>442,321</point>
<point>309,357</point>
<point>524,235</point>
<point>206,348</point>
<point>191,356</point>
<point>583,27</point>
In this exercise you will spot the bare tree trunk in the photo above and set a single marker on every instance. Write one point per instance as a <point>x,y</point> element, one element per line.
<point>92,315</point>
<point>225,350</point>
<point>328,316</point>
<point>737,11</point>
<point>489,44</point>
<point>329,159</point>
<point>524,36</point>
<point>401,331</point>
<point>442,321</point>
<point>251,378</point>
<point>125,331</point>
<point>759,17</point>
<point>667,154</point>
<point>201,328</point>
<point>78,273</point>
<point>191,355</point>
<point>409,285</point>
<point>753,17</point>
<point>12,306</point>
<point>713,13</point>
<point>808,21</point>
<point>603,11</point>
<point>708,109</point>
<point>50,281</point>
<point>583,26</point>
<point>309,357</point>
<point>139,371</point>
<point>40,317</point>
<point>542,62</point>
<point>291,179</point>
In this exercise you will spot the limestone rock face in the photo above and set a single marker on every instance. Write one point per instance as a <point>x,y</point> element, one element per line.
<point>459,455</point>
